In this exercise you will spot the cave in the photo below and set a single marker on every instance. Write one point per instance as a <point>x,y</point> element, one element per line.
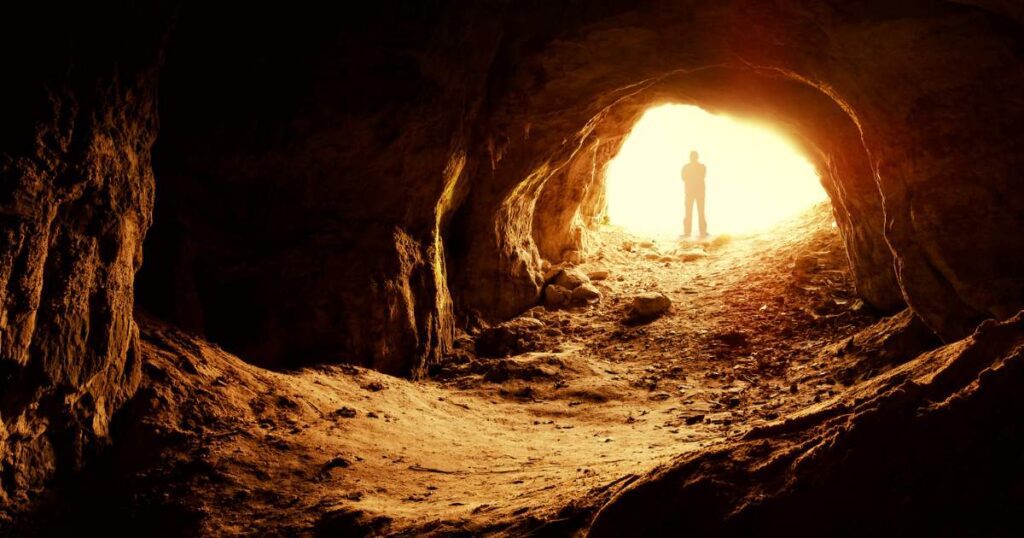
<point>321,270</point>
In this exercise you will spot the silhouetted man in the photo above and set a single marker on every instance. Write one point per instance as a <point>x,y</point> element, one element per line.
<point>693,179</point>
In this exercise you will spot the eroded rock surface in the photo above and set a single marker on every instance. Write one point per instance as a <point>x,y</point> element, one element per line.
<point>389,194</point>
<point>647,306</point>
<point>76,195</point>
<point>350,188</point>
<point>924,447</point>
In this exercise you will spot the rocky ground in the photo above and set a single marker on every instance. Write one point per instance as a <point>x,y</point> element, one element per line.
<point>529,426</point>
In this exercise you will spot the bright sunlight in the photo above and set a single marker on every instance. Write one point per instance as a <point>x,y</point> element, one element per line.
<point>755,177</point>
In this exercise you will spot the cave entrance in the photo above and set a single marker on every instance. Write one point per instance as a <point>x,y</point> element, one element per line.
<point>756,177</point>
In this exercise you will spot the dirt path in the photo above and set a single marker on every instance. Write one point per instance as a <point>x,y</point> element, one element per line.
<point>524,443</point>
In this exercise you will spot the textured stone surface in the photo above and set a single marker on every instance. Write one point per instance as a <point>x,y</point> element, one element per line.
<point>648,306</point>
<point>512,337</point>
<point>76,191</point>
<point>414,170</point>
<point>868,92</point>
<point>926,448</point>
<point>567,205</point>
<point>586,294</point>
<point>305,186</point>
<point>348,187</point>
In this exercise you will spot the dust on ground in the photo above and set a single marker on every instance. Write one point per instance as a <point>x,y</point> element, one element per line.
<point>760,327</point>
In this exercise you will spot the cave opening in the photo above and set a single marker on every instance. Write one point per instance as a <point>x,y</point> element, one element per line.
<point>757,177</point>
<point>376,296</point>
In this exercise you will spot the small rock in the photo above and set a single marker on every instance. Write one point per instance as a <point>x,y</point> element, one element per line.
<point>597,275</point>
<point>647,244</point>
<point>335,463</point>
<point>536,312</point>
<point>724,417</point>
<point>344,412</point>
<point>556,296</point>
<point>649,306</point>
<point>805,263</point>
<point>585,294</point>
<point>732,338</point>
<point>692,255</point>
<point>354,496</point>
<point>627,246</point>
<point>570,279</point>
<point>652,256</point>
<point>512,337</point>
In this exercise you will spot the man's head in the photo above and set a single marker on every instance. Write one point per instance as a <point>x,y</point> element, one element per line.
<point>694,156</point>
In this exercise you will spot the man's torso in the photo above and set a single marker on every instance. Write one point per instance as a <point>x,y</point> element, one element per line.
<point>693,175</point>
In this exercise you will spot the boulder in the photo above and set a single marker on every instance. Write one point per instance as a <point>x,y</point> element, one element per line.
<point>569,278</point>
<point>556,296</point>
<point>585,294</point>
<point>648,306</point>
<point>512,337</point>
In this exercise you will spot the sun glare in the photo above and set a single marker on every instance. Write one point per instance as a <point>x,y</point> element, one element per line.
<point>755,177</point>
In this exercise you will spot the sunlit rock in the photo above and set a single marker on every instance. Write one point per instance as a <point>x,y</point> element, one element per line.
<point>585,294</point>
<point>648,306</point>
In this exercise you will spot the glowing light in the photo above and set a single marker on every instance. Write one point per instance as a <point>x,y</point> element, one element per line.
<point>755,177</point>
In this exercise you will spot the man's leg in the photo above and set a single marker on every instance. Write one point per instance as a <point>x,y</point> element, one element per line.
<point>688,221</point>
<point>700,214</point>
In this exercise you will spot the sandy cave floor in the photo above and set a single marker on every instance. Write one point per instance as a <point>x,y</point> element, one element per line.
<point>760,328</point>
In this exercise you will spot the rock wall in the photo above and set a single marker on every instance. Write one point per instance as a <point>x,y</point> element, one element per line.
<point>76,194</point>
<point>341,185</point>
<point>560,219</point>
<point>336,187</point>
<point>930,140</point>
<point>306,181</point>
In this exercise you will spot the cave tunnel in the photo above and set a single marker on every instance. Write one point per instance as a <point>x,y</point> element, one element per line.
<point>345,271</point>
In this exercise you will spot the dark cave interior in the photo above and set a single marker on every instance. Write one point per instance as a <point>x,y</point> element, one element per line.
<point>375,188</point>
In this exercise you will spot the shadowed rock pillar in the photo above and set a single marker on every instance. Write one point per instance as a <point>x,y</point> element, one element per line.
<point>76,194</point>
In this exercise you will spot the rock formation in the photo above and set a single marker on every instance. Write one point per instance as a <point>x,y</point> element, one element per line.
<point>350,187</point>
<point>76,201</point>
<point>528,121</point>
